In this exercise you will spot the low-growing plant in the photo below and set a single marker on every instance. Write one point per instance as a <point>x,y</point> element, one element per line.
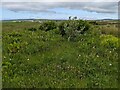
<point>14,47</point>
<point>32,29</point>
<point>15,34</point>
<point>109,41</point>
<point>48,25</point>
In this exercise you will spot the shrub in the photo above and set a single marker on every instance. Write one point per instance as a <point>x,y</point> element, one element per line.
<point>109,41</point>
<point>32,29</point>
<point>61,28</point>
<point>49,25</point>
<point>73,28</point>
<point>14,34</point>
<point>14,48</point>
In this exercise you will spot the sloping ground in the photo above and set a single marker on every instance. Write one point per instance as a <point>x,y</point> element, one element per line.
<point>44,59</point>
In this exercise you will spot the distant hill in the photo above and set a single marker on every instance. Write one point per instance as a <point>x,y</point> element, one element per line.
<point>33,19</point>
<point>54,19</point>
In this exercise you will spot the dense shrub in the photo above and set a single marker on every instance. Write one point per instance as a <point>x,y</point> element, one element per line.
<point>94,22</point>
<point>73,28</point>
<point>14,34</point>
<point>109,41</point>
<point>61,28</point>
<point>69,29</point>
<point>46,26</point>
<point>32,29</point>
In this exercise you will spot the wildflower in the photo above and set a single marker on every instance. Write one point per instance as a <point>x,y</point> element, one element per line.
<point>28,59</point>
<point>94,47</point>
<point>79,55</point>
<point>96,84</point>
<point>68,67</point>
<point>58,66</point>
<point>110,64</point>
<point>10,59</point>
<point>97,55</point>
<point>110,51</point>
<point>65,79</point>
<point>4,57</point>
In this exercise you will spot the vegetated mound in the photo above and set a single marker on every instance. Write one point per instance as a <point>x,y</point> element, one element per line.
<point>69,29</point>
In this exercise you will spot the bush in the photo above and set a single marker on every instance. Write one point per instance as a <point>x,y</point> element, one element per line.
<point>69,29</point>
<point>49,25</point>
<point>32,29</point>
<point>73,28</point>
<point>14,48</point>
<point>14,34</point>
<point>109,41</point>
<point>61,28</point>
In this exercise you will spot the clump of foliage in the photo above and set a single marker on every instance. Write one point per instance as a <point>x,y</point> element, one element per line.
<point>14,34</point>
<point>62,28</point>
<point>32,29</point>
<point>73,28</point>
<point>94,22</point>
<point>109,41</point>
<point>69,29</point>
<point>48,25</point>
<point>110,30</point>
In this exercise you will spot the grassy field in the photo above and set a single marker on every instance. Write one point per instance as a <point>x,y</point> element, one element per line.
<point>55,55</point>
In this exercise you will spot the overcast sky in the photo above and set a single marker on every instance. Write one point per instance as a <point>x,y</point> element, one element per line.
<point>87,9</point>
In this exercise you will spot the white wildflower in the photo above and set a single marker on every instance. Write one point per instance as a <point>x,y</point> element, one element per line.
<point>110,51</point>
<point>4,57</point>
<point>110,64</point>
<point>97,55</point>
<point>65,79</point>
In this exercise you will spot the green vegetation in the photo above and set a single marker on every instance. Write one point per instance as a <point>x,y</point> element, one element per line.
<point>58,54</point>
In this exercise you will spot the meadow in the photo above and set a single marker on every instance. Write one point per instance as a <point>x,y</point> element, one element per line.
<point>59,54</point>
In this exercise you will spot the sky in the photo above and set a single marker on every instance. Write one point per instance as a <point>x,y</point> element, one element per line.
<point>58,9</point>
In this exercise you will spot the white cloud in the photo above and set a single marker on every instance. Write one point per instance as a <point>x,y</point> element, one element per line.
<point>60,1</point>
<point>99,7</point>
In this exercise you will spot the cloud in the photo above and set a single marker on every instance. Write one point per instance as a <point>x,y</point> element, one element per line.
<point>98,7</point>
<point>60,1</point>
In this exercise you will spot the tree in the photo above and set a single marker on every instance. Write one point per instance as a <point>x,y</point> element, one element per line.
<point>69,17</point>
<point>75,18</point>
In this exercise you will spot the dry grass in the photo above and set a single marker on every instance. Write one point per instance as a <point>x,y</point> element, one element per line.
<point>110,29</point>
